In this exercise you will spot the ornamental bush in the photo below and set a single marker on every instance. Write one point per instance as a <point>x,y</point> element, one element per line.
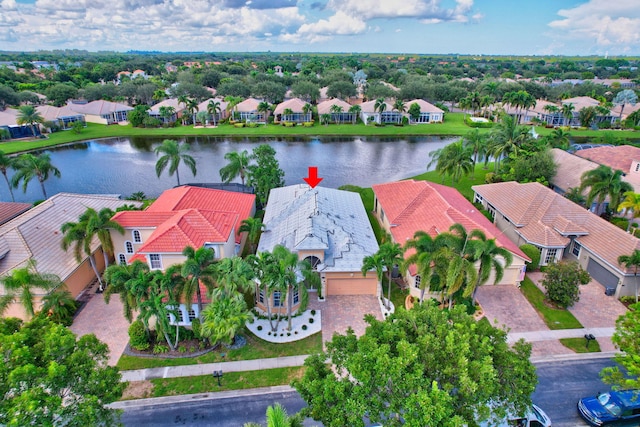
<point>562,282</point>
<point>138,338</point>
<point>533,253</point>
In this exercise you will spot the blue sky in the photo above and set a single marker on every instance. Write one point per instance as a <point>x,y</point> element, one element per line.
<point>523,27</point>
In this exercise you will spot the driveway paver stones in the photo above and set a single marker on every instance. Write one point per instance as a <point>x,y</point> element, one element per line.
<point>104,320</point>
<point>340,312</point>
<point>506,305</point>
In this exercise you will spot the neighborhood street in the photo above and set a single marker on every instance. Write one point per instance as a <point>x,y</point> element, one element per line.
<point>561,384</point>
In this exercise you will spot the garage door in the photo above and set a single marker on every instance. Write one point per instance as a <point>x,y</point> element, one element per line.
<point>601,274</point>
<point>351,287</point>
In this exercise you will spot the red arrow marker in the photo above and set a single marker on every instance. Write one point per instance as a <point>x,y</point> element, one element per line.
<point>313,179</point>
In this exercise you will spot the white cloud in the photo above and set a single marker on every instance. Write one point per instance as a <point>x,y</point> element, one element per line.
<point>604,23</point>
<point>338,24</point>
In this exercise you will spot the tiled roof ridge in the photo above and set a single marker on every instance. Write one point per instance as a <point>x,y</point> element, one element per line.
<point>411,207</point>
<point>540,199</point>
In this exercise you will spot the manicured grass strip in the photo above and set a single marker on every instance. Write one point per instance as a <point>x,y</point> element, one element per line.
<point>465,182</point>
<point>579,345</point>
<point>553,317</point>
<point>229,381</point>
<point>256,348</point>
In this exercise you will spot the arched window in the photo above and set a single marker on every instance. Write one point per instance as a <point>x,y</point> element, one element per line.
<point>313,260</point>
<point>128,246</point>
<point>122,259</point>
<point>137,238</point>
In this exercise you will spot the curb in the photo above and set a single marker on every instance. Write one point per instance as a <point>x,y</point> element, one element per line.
<point>573,357</point>
<point>155,401</point>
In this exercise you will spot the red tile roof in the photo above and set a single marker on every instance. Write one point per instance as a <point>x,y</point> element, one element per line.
<point>619,157</point>
<point>412,206</point>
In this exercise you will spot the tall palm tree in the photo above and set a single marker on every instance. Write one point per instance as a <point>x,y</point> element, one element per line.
<point>28,115</point>
<point>213,109</point>
<point>198,268</point>
<point>464,104</point>
<point>183,99</point>
<point>283,275</point>
<point>237,167</point>
<point>253,227</point>
<point>625,97</point>
<point>567,112</point>
<point>192,108</point>
<point>264,107</point>
<point>552,110</point>
<point>307,109</point>
<point>355,111</point>
<point>28,166</point>
<point>160,303</point>
<point>119,279</point>
<point>507,137</point>
<point>631,261</point>
<point>374,262</point>
<point>286,114</point>
<point>454,159</point>
<point>21,286</point>
<point>233,275</point>
<point>100,224</point>
<point>77,234</point>
<point>604,182</point>
<point>263,264</point>
<point>631,203</point>
<point>336,111</point>
<point>6,163</point>
<point>380,106</point>
<point>390,254</point>
<point>559,138</point>
<point>425,251</point>
<point>400,107</point>
<point>232,101</point>
<point>478,143</point>
<point>172,154</point>
<point>490,258</point>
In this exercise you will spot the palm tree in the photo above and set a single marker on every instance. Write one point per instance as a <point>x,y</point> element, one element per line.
<point>59,306</point>
<point>567,112</point>
<point>253,227</point>
<point>224,317</point>
<point>336,111</point>
<point>400,107</point>
<point>380,106</point>
<point>587,115</point>
<point>232,275</point>
<point>602,182</point>
<point>232,101</point>
<point>21,285</point>
<point>283,275</point>
<point>7,162</point>
<point>390,255</point>
<point>453,159</point>
<point>166,113</point>
<point>237,166</point>
<point>307,109</point>
<point>160,304</point>
<point>485,102</point>
<point>325,118</point>
<point>623,98</point>
<point>374,262</point>
<point>213,109</point>
<point>507,137</point>
<point>355,111</point>
<point>262,265</point>
<point>629,261</point>
<point>631,203</point>
<point>28,166</point>
<point>552,110</point>
<point>119,279</point>
<point>426,250</point>
<point>183,99</point>
<point>100,224</point>
<point>28,115</point>
<point>574,194</point>
<point>464,104</point>
<point>192,108</point>
<point>488,255</point>
<point>478,144</point>
<point>286,114</point>
<point>172,154</point>
<point>198,268</point>
<point>559,138</point>
<point>264,107</point>
<point>77,234</point>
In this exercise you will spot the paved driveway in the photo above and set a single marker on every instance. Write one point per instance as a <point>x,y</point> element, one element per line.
<point>505,305</point>
<point>341,311</point>
<point>106,321</point>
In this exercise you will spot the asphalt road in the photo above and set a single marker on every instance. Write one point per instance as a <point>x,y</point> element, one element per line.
<point>560,386</point>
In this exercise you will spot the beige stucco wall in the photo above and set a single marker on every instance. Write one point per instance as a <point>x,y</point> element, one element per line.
<point>304,254</point>
<point>95,119</point>
<point>84,275</point>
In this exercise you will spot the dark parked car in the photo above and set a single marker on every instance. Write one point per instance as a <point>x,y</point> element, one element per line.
<point>615,408</point>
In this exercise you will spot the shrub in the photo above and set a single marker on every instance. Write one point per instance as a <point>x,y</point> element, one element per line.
<point>304,327</point>
<point>160,349</point>
<point>182,349</point>
<point>311,320</point>
<point>628,299</point>
<point>202,345</point>
<point>288,334</point>
<point>491,177</point>
<point>186,334</point>
<point>313,312</point>
<point>562,282</point>
<point>195,328</point>
<point>259,327</point>
<point>533,253</point>
<point>138,338</point>
<point>308,124</point>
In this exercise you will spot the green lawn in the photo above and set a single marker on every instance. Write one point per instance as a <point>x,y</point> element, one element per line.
<point>579,345</point>
<point>256,348</point>
<point>554,318</point>
<point>464,184</point>
<point>453,125</point>
<point>229,381</point>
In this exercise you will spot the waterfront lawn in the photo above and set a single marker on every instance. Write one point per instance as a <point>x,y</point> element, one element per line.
<point>229,381</point>
<point>256,348</point>
<point>464,184</point>
<point>555,318</point>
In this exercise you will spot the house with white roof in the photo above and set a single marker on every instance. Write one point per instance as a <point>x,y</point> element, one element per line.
<point>35,235</point>
<point>368,113</point>
<point>330,229</point>
<point>64,117</point>
<point>429,113</point>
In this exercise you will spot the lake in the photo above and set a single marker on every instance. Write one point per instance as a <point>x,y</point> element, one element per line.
<point>127,165</point>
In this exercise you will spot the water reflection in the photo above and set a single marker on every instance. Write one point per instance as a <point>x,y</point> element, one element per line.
<point>126,165</point>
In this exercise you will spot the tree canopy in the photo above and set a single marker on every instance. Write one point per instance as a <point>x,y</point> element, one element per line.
<point>626,339</point>
<point>420,367</point>
<point>49,377</point>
